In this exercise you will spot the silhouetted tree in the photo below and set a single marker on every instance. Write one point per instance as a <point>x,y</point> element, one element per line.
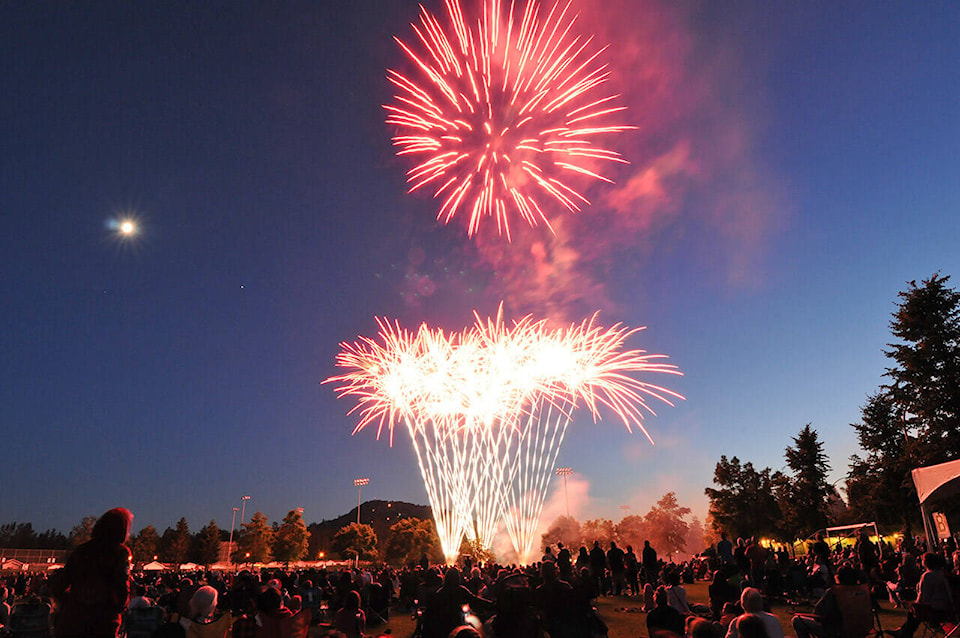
<point>206,545</point>
<point>745,504</point>
<point>805,496</point>
<point>925,377</point>
<point>256,541</point>
<point>879,486</point>
<point>81,531</point>
<point>175,543</point>
<point>145,545</point>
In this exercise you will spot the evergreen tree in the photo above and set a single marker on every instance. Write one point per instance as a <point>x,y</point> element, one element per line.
<point>175,543</point>
<point>806,494</point>
<point>925,377</point>
<point>879,485</point>
<point>81,532</point>
<point>145,545</point>
<point>291,540</point>
<point>256,540</point>
<point>206,545</point>
<point>745,504</point>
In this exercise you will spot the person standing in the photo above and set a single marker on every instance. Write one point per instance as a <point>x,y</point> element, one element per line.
<point>650,562</point>
<point>93,587</point>
<point>618,568</point>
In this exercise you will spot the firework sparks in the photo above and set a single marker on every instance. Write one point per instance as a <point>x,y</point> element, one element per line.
<point>487,409</point>
<point>504,116</point>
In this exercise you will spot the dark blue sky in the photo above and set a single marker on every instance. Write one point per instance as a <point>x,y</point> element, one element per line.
<point>793,167</point>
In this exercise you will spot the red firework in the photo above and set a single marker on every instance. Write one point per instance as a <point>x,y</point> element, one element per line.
<point>503,112</point>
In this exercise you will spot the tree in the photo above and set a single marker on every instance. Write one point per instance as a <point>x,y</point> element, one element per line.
<point>291,540</point>
<point>82,531</point>
<point>879,487</point>
<point>599,529</point>
<point>175,543</point>
<point>476,551</point>
<point>566,530</point>
<point>256,540</point>
<point>206,544</point>
<point>925,377</point>
<point>145,545</point>
<point>745,504</point>
<point>632,530</point>
<point>668,530</point>
<point>356,540</point>
<point>696,537</point>
<point>805,499</point>
<point>411,538</point>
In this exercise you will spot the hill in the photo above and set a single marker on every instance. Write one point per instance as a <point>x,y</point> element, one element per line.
<point>380,514</point>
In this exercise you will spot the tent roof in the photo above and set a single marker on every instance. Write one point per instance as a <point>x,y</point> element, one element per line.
<point>937,481</point>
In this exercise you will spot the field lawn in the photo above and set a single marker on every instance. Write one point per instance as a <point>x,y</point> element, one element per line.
<point>624,620</point>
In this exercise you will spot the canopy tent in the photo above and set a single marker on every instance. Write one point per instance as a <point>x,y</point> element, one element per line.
<point>935,483</point>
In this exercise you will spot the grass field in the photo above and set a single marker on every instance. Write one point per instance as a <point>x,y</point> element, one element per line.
<point>624,621</point>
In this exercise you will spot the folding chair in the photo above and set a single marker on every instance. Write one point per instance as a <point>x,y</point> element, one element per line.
<point>30,620</point>
<point>860,618</point>
<point>142,622</point>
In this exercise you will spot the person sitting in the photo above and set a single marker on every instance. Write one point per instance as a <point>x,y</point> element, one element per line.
<point>752,626</point>
<point>664,620</point>
<point>826,620</point>
<point>751,600</point>
<point>203,620</point>
<point>676,594</point>
<point>721,592</point>
<point>697,627</point>
<point>350,619</point>
<point>934,604</point>
<point>728,615</point>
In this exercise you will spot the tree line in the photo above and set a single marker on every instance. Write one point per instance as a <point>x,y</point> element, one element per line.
<point>910,421</point>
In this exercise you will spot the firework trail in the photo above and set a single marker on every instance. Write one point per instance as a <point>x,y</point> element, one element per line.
<point>505,115</point>
<point>487,409</point>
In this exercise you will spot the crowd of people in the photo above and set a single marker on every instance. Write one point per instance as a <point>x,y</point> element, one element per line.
<point>95,595</point>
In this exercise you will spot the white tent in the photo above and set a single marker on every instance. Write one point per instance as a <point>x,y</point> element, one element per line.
<point>935,483</point>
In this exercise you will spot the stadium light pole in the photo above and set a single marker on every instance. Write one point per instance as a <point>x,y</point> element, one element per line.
<point>360,482</point>
<point>565,472</point>
<point>233,522</point>
<point>243,508</point>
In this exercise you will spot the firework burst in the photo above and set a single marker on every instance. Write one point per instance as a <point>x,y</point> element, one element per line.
<point>487,409</point>
<point>505,115</point>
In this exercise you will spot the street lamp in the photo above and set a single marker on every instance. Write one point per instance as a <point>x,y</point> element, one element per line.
<point>565,472</point>
<point>360,482</point>
<point>230,544</point>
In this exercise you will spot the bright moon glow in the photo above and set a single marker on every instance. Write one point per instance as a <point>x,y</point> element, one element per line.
<point>487,409</point>
<point>504,112</point>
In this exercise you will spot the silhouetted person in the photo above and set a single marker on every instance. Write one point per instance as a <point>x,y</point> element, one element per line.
<point>650,562</point>
<point>94,585</point>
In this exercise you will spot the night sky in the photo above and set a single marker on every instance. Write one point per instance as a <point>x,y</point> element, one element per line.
<point>794,165</point>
